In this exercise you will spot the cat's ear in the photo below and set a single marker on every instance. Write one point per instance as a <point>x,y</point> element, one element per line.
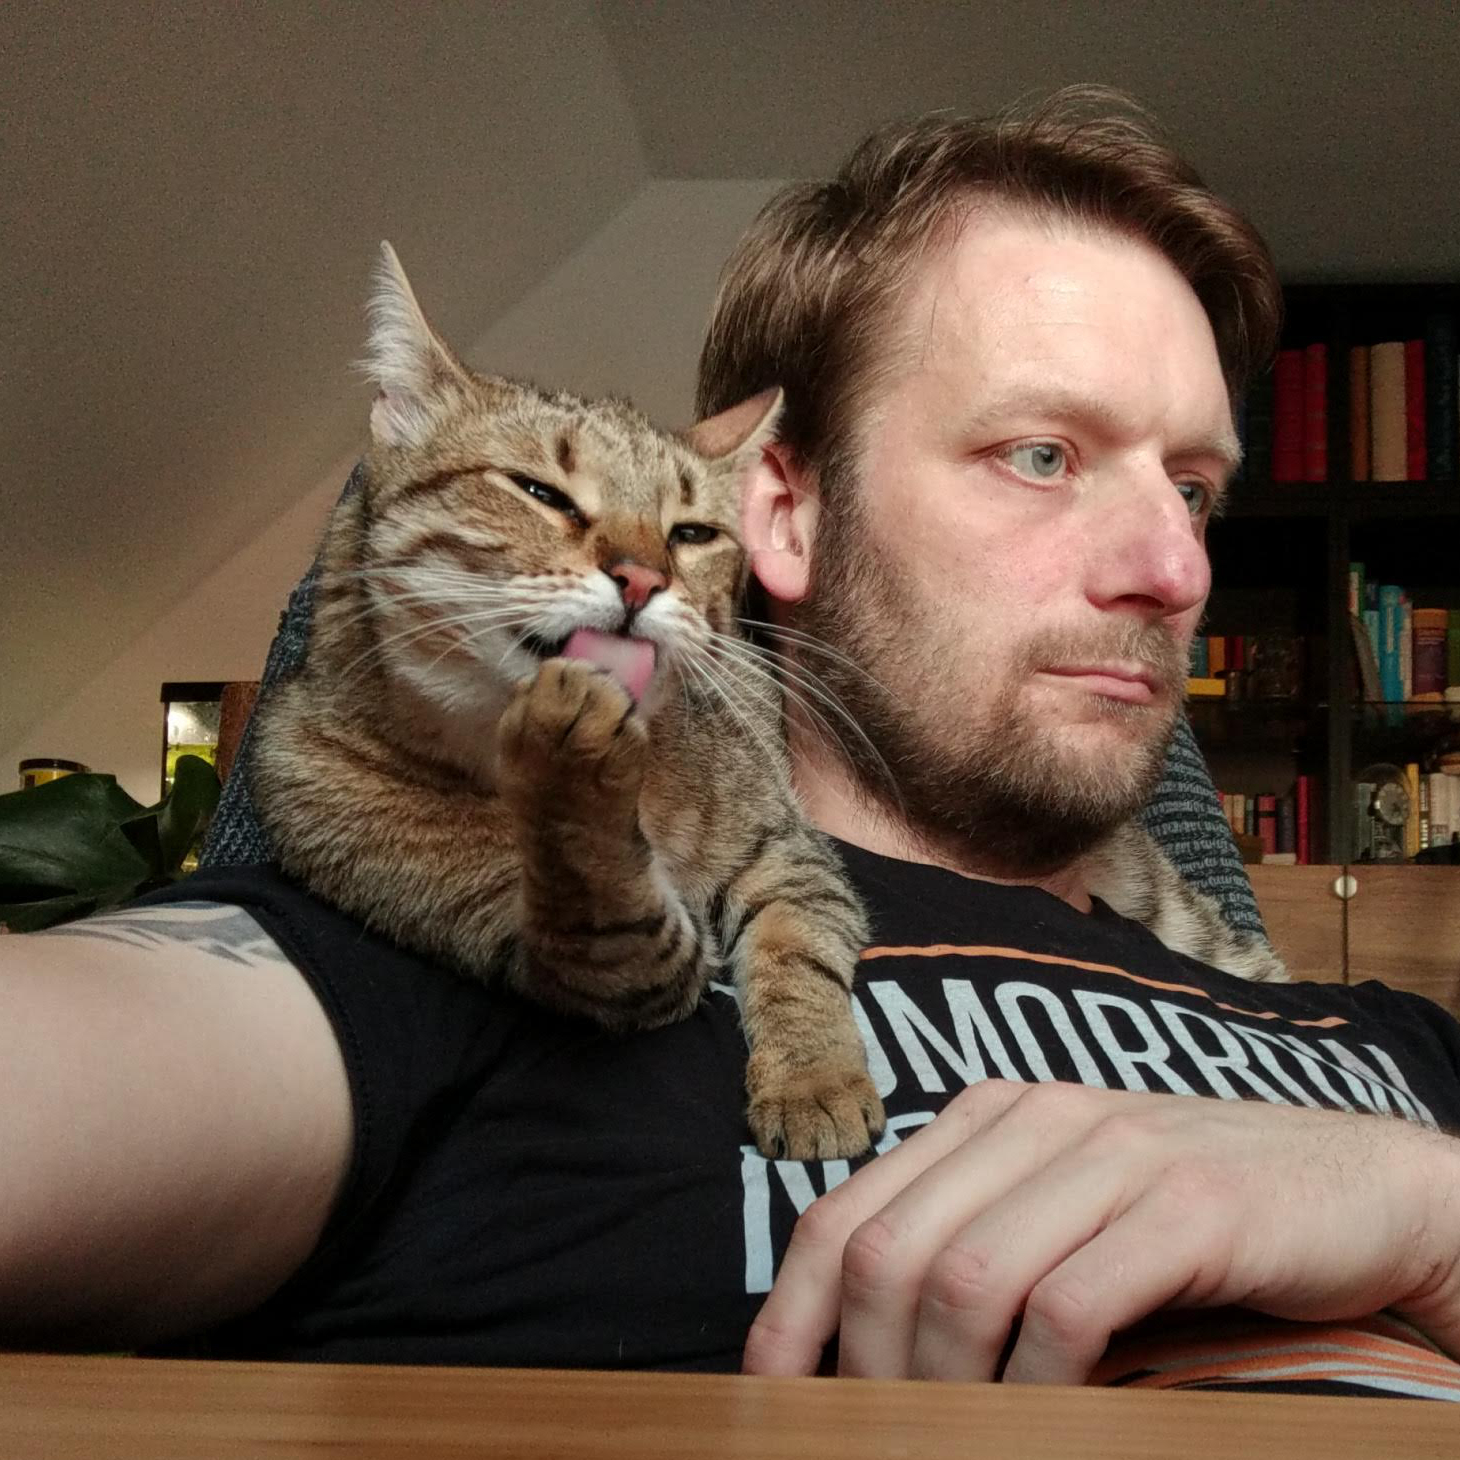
<point>411,365</point>
<point>742,430</point>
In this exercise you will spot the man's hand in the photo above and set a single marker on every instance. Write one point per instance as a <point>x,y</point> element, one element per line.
<point>1080,1211</point>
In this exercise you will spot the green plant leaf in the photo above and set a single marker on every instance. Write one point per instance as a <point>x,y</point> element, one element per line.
<point>186,809</point>
<point>31,917</point>
<point>66,834</point>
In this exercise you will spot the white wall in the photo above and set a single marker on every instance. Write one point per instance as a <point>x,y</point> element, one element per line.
<point>220,630</point>
<point>623,314</point>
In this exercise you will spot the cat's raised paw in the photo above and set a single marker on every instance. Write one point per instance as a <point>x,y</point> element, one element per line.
<point>821,1112</point>
<point>573,731</point>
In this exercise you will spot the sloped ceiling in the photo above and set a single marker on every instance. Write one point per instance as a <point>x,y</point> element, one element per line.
<point>1334,123</point>
<point>190,198</point>
<point>190,202</point>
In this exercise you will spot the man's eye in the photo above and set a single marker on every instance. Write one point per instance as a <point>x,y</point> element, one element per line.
<point>549,496</point>
<point>1042,460</point>
<point>693,532</point>
<point>1197,495</point>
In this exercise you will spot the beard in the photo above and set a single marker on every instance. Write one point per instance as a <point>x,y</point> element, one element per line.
<point>988,782</point>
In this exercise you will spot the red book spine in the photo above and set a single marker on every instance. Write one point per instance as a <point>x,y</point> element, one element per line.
<point>1417,464</point>
<point>1287,417</point>
<point>1267,822</point>
<point>1315,413</point>
<point>1305,832</point>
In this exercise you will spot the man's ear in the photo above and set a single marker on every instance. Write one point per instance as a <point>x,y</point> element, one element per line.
<point>778,516</point>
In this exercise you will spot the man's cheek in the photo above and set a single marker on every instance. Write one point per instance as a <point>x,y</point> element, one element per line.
<point>1185,625</point>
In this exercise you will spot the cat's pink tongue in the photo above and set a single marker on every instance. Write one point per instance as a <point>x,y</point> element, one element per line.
<point>630,661</point>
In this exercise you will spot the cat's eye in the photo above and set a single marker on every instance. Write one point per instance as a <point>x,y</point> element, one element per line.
<point>692,532</point>
<point>549,497</point>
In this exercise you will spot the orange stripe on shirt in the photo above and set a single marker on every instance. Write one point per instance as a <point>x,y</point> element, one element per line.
<point>1260,1348</point>
<point>1020,955</point>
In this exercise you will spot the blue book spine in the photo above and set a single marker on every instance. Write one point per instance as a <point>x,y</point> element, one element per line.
<point>1391,624</point>
<point>1199,660</point>
<point>1370,617</point>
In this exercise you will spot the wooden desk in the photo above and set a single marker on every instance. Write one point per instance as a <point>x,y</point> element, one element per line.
<point>106,1409</point>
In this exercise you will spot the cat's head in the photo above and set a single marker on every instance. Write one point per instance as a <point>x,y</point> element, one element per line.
<point>504,524</point>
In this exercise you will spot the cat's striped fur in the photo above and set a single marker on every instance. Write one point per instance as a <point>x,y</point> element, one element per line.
<point>439,771</point>
<point>1135,877</point>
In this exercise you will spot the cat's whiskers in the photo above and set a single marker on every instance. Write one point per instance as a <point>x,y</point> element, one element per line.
<point>699,664</point>
<point>500,617</point>
<point>799,639</point>
<point>801,686</point>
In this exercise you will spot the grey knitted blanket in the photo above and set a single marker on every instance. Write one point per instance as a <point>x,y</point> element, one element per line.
<point>1183,815</point>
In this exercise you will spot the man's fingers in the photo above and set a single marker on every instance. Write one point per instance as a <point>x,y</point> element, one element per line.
<point>1155,1253</point>
<point>930,1233</point>
<point>803,1309</point>
<point>977,1286</point>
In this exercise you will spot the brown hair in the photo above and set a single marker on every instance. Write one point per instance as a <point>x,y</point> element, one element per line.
<point>806,299</point>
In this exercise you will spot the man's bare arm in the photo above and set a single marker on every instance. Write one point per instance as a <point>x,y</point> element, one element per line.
<point>176,1124</point>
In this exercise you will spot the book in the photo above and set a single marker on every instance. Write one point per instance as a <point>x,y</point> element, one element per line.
<point>1388,443</point>
<point>1431,628</point>
<point>1406,649</point>
<point>1367,664</point>
<point>1370,617</point>
<point>1391,623</point>
<point>1266,823</point>
<point>1287,824</point>
<point>1441,807</point>
<point>1315,412</point>
<point>1216,654</point>
<point>1205,687</point>
<point>1411,827</point>
<point>1442,397</point>
<point>1287,417</point>
<point>1358,413</point>
<point>1415,454</point>
<point>1452,648</point>
<point>1198,668</point>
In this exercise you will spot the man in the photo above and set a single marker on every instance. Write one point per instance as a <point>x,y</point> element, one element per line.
<point>1008,421</point>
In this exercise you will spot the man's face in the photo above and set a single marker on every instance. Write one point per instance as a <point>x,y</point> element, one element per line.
<point>1020,563</point>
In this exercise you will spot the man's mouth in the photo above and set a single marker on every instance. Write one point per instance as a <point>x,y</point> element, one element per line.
<point>1138,684</point>
<point>629,660</point>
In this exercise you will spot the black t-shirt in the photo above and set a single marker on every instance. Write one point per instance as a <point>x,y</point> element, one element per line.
<point>528,1190</point>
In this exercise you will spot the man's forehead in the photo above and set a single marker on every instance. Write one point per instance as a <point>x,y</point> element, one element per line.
<point>1006,315</point>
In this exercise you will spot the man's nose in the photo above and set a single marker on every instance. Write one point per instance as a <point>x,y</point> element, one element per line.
<point>637,584</point>
<point>1150,557</point>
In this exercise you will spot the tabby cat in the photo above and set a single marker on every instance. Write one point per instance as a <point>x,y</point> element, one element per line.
<point>530,741</point>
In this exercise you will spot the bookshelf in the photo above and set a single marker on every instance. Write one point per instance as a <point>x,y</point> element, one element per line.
<point>1281,556</point>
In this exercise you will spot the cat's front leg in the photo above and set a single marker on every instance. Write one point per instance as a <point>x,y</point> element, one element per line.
<point>797,936</point>
<point>602,933</point>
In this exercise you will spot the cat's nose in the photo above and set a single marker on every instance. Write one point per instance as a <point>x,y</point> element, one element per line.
<point>636,583</point>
